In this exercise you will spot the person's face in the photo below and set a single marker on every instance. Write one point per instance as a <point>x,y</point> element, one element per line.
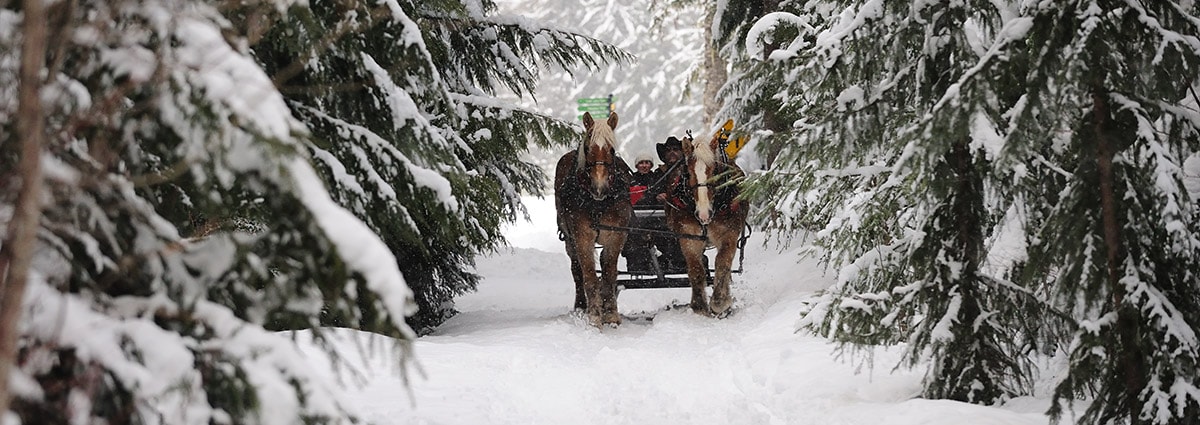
<point>674,153</point>
<point>644,167</point>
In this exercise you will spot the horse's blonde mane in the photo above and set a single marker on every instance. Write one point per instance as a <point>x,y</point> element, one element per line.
<point>704,153</point>
<point>602,137</point>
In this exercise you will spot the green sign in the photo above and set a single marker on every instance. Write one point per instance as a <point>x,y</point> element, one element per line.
<point>599,107</point>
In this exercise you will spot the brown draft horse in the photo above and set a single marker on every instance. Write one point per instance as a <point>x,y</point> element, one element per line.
<point>591,187</point>
<point>704,201</point>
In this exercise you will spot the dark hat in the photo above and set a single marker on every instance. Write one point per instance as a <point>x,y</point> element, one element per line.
<point>662,147</point>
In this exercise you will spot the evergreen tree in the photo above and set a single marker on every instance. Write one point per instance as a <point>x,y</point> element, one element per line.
<point>182,220</point>
<point>1068,121</point>
<point>1120,247</point>
<point>895,110</point>
<point>755,90</point>
<point>400,98</point>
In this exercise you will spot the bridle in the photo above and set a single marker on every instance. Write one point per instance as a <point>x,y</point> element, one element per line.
<point>583,166</point>
<point>685,193</point>
<point>581,162</point>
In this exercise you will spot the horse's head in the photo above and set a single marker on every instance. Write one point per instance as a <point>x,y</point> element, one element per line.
<point>701,168</point>
<point>597,157</point>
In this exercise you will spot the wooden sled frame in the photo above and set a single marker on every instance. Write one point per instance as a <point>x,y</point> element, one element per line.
<point>660,279</point>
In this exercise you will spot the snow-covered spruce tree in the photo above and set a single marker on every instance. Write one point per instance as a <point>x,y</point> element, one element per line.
<point>407,131</point>
<point>1121,245</point>
<point>895,130</point>
<point>754,91</point>
<point>765,97</point>
<point>182,220</point>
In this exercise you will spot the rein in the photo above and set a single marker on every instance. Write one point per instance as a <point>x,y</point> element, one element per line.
<point>667,173</point>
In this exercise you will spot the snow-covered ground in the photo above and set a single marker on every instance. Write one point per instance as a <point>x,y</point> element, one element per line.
<point>516,355</point>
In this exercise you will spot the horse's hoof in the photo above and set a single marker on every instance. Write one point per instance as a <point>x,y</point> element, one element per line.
<point>612,319</point>
<point>728,311</point>
<point>721,308</point>
<point>701,309</point>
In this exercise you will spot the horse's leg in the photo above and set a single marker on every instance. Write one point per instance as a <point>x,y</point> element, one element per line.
<point>585,255</point>
<point>693,249</point>
<point>576,275</point>
<point>613,242</point>
<point>726,242</point>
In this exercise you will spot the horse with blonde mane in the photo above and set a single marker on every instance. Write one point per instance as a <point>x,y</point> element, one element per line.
<point>703,198</point>
<point>591,190</point>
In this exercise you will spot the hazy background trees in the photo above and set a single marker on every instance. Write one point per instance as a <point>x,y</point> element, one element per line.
<point>658,94</point>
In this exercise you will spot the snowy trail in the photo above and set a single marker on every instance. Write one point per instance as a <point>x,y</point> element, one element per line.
<point>515,355</point>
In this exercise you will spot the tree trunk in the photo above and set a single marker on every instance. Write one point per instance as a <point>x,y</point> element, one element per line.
<point>1126,326</point>
<point>17,251</point>
<point>715,74</point>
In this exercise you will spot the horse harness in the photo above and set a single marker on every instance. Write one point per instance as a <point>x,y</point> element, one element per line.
<point>682,196</point>
<point>575,194</point>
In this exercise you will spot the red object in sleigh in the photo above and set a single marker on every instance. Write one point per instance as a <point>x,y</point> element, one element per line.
<point>636,193</point>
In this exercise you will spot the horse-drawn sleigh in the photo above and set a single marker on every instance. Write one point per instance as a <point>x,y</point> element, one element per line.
<point>651,266</point>
<point>702,209</point>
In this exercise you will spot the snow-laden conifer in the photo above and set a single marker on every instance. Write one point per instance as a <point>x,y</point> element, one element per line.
<point>1065,124</point>
<point>185,220</point>
<point>1119,243</point>
<point>892,114</point>
<point>182,223</point>
<point>407,131</point>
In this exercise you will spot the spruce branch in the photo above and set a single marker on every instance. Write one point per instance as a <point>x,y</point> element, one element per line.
<point>345,27</point>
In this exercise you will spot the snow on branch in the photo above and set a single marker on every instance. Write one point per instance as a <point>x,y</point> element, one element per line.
<point>404,109</point>
<point>155,365</point>
<point>829,42</point>
<point>760,34</point>
<point>411,35</point>
<point>1168,38</point>
<point>1158,307</point>
<point>358,246</point>
<point>158,366</point>
<point>232,79</point>
<point>423,177</point>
